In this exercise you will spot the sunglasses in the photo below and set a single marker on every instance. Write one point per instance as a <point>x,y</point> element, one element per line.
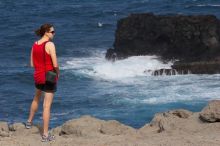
<point>53,32</point>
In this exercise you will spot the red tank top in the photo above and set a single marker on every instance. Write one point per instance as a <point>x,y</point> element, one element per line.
<point>42,62</point>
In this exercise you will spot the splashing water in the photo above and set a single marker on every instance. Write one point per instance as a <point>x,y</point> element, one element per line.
<point>99,67</point>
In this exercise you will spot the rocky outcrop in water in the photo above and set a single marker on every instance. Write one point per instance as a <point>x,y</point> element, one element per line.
<point>172,128</point>
<point>189,39</point>
<point>202,67</point>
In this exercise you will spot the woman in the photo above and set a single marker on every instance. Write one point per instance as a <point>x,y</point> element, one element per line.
<point>43,58</point>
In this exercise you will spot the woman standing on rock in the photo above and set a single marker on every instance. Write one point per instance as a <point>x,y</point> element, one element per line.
<point>43,58</point>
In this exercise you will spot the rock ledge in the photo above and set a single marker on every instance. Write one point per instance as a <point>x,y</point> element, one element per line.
<point>176,127</point>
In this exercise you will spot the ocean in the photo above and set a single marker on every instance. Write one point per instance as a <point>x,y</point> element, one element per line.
<point>89,84</point>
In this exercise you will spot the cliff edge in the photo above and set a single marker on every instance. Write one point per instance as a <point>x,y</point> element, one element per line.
<point>172,128</point>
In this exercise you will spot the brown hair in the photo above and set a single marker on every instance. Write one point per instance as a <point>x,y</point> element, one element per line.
<point>44,28</point>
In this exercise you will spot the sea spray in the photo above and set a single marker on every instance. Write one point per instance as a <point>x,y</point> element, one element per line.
<point>99,67</point>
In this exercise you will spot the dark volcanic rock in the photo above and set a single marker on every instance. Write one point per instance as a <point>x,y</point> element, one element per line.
<point>186,38</point>
<point>202,67</point>
<point>165,72</point>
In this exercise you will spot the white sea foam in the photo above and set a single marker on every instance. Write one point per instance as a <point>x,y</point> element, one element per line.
<point>204,5</point>
<point>208,5</point>
<point>129,80</point>
<point>130,67</point>
<point>60,114</point>
<point>100,24</point>
<point>97,66</point>
<point>181,98</point>
<point>182,89</point>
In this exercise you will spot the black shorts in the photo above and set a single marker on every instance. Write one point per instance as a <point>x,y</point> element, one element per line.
<point>47,87</point>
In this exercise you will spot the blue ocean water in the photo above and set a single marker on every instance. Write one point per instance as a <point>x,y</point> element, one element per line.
<point>89,84</point>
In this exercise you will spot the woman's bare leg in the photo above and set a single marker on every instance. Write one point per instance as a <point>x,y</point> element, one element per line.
<point>48,99</point>
<point>34,105</point>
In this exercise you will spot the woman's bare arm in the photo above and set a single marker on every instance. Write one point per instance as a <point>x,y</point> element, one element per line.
<point>50,47</point>
<point>31,58</point>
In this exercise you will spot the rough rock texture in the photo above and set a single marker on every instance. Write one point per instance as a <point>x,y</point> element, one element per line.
<point>88,126</point>
<point>202,67</point>
<point>113,127</point>
<point>171,128</point>
<point>193,40</point>
<point>4,130</point>
<point>84,127</point>
<point>211,113</point>
<point>180,37</point>
<point>170,120</point>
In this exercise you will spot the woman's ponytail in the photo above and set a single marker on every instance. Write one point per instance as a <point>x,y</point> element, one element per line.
<point>38,32</point>
<point>44,28</point>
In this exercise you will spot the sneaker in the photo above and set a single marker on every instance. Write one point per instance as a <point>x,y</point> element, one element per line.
<point>48,138</point>
<point>28,125</point>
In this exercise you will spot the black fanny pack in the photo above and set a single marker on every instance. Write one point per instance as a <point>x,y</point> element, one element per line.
<point>51,77</point>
